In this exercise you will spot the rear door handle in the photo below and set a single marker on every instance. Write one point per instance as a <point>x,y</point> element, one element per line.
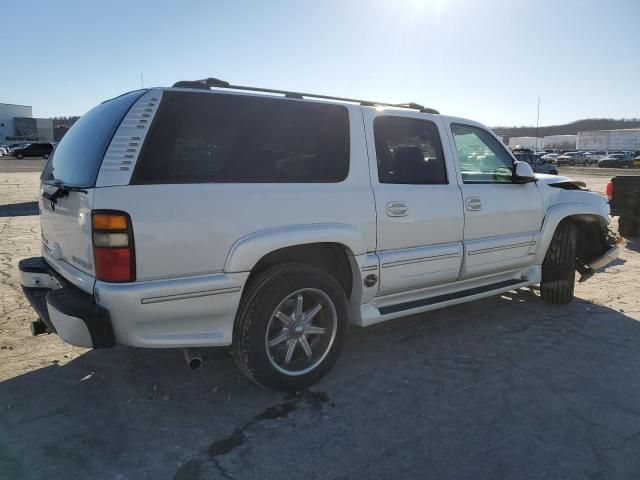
<point>473,204</point>
<point>397,209</point>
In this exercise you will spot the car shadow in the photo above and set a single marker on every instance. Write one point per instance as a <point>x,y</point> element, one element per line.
<point>21,209</point>
<point>506,387</point>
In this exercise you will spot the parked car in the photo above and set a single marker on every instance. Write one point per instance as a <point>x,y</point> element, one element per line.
<point>38,149</point>
<point>636,161</point>
<point>550,158</point>
<point>573,158</point>
<point>594,157</point>
<point>17,146</point>
<point>272,236</point>
<point>3,151</point>
<point>535,160</point>
<point>624,197</point>
<point>616,160</point>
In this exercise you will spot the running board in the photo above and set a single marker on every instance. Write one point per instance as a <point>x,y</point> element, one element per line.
<point>425,302</point>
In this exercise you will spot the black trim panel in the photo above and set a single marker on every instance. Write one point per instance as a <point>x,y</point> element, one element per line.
<point>399,307</point>
<point>74,302</point>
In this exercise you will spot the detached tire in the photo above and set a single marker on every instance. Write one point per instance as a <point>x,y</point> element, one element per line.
<point>627,226</point>
<point>290,327</point>
<point>558,268</point>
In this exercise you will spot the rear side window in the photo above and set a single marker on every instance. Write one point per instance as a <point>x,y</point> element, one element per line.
<point>209,138</point>
<point>77,158</point>
<point>408,151</point>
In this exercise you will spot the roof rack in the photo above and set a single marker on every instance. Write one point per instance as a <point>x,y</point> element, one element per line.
<point>207,83</point>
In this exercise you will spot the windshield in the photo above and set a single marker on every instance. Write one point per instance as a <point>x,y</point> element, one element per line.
<point>77,158</point>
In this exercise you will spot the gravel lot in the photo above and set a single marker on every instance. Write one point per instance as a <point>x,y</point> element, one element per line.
<point>507,387</point>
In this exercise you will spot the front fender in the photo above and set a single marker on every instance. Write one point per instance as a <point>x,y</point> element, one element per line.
<point>555,214</point>
<point>248,250</point>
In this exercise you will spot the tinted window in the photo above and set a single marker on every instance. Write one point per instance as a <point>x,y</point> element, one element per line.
<point>78,156</point>
<point>482,158</point>
<point>408,151</point>
<point>203,137</point>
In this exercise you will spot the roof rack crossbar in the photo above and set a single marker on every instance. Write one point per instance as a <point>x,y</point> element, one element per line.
<point>216,83</point>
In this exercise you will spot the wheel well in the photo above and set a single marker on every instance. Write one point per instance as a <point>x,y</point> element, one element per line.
<point>591,238</point>
<point>330,257</point>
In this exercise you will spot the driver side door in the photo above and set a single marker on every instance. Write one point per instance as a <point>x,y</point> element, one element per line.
<point>502,219</point>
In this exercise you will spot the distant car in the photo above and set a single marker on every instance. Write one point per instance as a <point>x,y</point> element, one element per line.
<point>595,156</point>
<point>34,150</point>
<point>17,146</point>
<point>552,150</point>
<point>550,158</point>
<point>535,160</point>
<point>616,160</point>
<point>636,161</point>
<point>573,158</point>
<point>3,151</point>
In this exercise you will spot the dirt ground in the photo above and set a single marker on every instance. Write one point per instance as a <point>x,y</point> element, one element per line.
<point>507,387</point>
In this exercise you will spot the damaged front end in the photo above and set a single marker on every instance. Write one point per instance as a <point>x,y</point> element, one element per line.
<point>597,246</point>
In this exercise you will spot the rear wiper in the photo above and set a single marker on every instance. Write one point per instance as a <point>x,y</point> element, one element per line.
<point>60,192</point>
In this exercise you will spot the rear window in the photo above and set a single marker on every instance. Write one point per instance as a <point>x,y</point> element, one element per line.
<point>77,158</point>
<point>209,138</point>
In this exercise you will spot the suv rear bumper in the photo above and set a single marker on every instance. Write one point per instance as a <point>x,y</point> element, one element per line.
<point>65,309</point>
<point>197,311</point>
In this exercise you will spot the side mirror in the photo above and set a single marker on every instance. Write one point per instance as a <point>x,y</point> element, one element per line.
<point>523,173</point>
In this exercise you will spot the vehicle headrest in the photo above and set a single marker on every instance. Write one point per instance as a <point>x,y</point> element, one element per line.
<point>408,157</point>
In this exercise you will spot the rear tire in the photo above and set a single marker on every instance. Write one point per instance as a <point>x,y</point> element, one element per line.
<point>627,226</point>
<point>558,268</point>
<point>269,323</point>
<point>19,156</point>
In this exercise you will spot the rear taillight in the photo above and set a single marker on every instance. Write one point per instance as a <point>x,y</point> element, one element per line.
<point>113,249</point>
<point>609,190</point>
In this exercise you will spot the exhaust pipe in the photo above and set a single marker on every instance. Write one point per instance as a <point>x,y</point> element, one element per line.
<point>193,358</point>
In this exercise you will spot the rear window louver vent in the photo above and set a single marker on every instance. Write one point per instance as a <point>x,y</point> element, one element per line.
<point>127,141</point>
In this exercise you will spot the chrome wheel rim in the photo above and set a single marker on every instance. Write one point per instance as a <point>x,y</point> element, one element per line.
<point>301,332</point>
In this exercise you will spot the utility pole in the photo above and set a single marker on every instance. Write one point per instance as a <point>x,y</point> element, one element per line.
<point>141,80</point>
<point>537,124</point>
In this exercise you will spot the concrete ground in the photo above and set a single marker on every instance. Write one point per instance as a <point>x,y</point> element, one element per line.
<point>507,387</point>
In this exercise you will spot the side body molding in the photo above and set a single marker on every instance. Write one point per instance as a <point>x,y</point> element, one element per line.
<point>556,214</point>
<point>248,250</point>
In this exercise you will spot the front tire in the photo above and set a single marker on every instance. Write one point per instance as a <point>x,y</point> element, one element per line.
<point>290,327</point>
<point>19,156</point>
<point>558,268</point>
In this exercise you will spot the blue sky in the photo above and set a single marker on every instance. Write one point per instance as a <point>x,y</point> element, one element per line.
<point>484,59</point>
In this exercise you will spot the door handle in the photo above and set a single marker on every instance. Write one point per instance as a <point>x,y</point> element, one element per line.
<point>473,204</point>
<point>397,209</point>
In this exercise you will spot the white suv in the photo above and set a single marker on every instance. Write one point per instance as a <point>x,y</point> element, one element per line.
<point>208,214</point>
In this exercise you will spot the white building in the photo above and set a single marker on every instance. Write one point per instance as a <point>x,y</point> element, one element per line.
<point>534,143</point>
<point>560,142</point>
<point>609,140</point>
<point>17,125</point>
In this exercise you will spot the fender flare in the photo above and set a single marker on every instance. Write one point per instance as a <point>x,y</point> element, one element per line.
<point>558,213</point>
<point>248,250</point>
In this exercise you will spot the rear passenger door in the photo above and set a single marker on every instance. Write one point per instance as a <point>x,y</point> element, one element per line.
<point>418,202</point>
